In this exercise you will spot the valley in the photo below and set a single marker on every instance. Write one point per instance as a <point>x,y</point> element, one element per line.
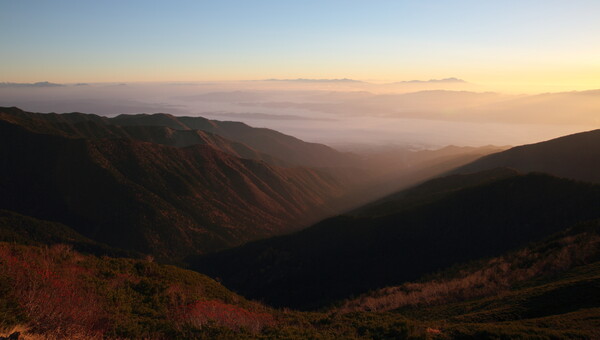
<point>466,242</point>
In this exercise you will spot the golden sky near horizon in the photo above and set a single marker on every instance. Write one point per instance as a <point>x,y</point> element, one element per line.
<point>513,46</point>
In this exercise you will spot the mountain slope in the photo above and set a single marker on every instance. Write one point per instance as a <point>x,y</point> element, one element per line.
<point>19,229</point>
<point>574,156</point>
<point>56,292</point>
<point>399,169</point>
<point>430,191</point>
<point>564,306</point>
<point>153,198</point>
<point>80,125</point>
<point>539,261</point>
<point>367,176</point>
<point>348,255</point>
<point>277,144</point>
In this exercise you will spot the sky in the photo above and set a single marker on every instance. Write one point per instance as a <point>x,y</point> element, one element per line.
<point>514,46</point>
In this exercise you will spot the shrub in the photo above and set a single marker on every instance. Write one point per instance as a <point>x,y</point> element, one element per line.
<point>49,287</point>
<point>203,313</point>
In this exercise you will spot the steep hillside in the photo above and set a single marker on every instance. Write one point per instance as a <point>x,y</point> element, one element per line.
<point>154,198</point>
<point>564,306</point>
<point>80,125</point>
<point>399,169</point>
<point>348,255</point>
<point>574,156</point>
<point>271,142</point>
<point>20,229</point>
<point>430,191</point>
<point>547,290</point>
<point>540,261</point>
<point>365,177</point>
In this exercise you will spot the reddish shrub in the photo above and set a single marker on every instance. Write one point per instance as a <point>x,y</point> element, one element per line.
<point>51,290</point>
<point>201,313</point>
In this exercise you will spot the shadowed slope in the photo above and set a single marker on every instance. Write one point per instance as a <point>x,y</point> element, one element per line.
<point>80,125</point>
<point>539,261</point>
<point>287,148</point>
<point>345,255</point>
<point>153,198</point>
<point>574,156</point>
<point>430,191</point>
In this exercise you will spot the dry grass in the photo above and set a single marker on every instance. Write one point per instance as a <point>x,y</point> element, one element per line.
<point>497,275</point>
<point>50,287</point>
<point>26,334</point>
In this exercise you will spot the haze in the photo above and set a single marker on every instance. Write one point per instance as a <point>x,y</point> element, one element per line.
<point>424,74</point>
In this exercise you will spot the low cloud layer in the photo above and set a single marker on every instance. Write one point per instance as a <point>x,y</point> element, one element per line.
<point>324,111</point>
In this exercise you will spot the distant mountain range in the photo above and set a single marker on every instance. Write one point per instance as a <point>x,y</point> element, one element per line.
<point>305,80</point>
<point>38,84</point>
<point>452,80</point>
<point>346,80</point>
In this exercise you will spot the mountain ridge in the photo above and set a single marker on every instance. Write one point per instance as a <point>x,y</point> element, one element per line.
<point>575,156</point>
<point>248,142</point>
<point>143,188</point>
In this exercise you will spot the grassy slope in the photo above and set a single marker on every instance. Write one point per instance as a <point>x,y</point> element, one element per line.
<point>59,292</point>
<point>567,306</point>
<point>98,297</point>
<point>549,289</point>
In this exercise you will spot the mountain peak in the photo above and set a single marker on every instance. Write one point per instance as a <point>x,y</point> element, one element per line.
<point>451,80</point>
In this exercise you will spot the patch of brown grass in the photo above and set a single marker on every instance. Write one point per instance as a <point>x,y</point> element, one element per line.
<point>494,276</point>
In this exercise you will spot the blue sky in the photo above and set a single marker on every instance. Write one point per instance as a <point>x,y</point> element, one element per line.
<point>486,41</point>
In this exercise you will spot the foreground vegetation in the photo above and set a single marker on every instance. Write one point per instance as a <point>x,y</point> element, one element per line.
<point>543,260</point>
<point>60,293</point>
<point>549,290</point>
